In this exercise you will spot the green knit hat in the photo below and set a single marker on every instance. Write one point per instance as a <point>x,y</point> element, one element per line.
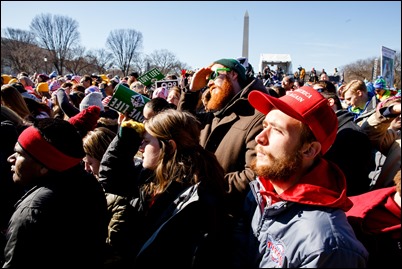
<point>236,66</point>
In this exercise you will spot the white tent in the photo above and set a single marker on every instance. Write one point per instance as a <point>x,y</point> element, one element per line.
<point>280,60</point>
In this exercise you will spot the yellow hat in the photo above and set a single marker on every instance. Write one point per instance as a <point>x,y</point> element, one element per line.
<point>104,78</point>
<point>13,80</point>
<point>42,87</point>
<point>6,78</point>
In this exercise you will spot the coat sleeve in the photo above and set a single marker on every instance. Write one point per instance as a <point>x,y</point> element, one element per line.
<point>65,105</point>
<point>239,180</point>
<point>378,131</point>
<point>118,173</point>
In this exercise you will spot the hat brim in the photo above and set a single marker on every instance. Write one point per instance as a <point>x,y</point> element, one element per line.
<point>265,103</point>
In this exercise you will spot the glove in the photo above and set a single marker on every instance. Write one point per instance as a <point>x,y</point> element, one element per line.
<point>131,134</point>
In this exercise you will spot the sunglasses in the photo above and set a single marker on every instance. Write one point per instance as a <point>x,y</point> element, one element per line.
<point>216,73</point>
<point>320,90</point>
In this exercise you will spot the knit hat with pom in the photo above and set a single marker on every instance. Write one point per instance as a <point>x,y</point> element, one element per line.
<point>86,120</point>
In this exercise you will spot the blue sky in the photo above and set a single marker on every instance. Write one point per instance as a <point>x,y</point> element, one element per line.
<point>324,34</point>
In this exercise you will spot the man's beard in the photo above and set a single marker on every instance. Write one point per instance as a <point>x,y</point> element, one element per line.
<point>219,99</point>
<point>280,169</point>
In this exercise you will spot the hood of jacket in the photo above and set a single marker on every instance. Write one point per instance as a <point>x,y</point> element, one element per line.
<point>376,211</point>
<point>323,185</point>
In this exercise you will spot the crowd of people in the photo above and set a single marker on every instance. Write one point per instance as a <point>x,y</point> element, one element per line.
<point>228,168</point>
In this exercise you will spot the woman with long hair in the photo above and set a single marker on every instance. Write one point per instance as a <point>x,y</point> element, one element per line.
<point>175,212</point>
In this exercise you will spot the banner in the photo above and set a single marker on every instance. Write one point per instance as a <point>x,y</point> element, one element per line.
<point>167,84</point>
<point>150,77</point>
<point>128,102</point>
<point>387,65</point>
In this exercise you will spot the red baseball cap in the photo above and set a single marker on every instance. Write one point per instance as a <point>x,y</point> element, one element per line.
<point>306,105</point>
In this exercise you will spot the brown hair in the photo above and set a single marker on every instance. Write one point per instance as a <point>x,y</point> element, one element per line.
<point>97,141</point>
<point>328,86</point>
<point>189,163</point>
<point>13,99</point>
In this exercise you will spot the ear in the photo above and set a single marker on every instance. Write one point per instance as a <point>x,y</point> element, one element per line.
<point>331,102</point>
<point>234,75</point>
<point>172,145</point>
<point>43,170</point>
<point>311,150</point>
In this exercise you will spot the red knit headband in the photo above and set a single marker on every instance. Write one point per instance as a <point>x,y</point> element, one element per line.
<point>32,142</point>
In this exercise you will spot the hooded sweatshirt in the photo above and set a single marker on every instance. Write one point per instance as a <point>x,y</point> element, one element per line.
<point>305,226</point>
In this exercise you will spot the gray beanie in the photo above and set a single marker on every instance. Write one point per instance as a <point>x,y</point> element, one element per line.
<point>236,66</point>
<point>92,99</point>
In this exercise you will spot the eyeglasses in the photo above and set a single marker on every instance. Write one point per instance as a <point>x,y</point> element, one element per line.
<point>216,74</point>
<point>320,90</point>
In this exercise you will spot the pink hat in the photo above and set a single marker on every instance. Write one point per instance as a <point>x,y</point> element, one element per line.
<point>75,79</point>
<point>306,105</point>
<point>160,92</point>
<point>54,85</point>
<point>91,89</point>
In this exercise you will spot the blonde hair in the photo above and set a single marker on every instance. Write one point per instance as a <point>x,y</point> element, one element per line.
<point>138,87</point>
<point>354,86</point>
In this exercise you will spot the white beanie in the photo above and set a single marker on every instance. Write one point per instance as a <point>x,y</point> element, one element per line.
<point>92,99</point>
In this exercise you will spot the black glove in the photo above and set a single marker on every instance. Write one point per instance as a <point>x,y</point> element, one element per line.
<point>131,135</point>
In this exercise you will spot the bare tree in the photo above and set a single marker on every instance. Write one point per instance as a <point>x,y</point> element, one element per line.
<point>141,65</point>
<point>18,47</point>
<point>100,59</point>
<point>361,69</point>
<point>165,61</point>
<point>77,62</point>
<point>124,45</point>
<point>58,34</point>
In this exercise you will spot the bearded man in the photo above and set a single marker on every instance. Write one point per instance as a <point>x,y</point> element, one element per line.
<point>229,122</point>
<point>295,212</point>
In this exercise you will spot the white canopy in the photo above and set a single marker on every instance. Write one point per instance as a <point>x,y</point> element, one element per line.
<point>282,60</point>
<point>276,58</point>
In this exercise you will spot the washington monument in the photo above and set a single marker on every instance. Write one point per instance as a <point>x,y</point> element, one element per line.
<point>245,36</point>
